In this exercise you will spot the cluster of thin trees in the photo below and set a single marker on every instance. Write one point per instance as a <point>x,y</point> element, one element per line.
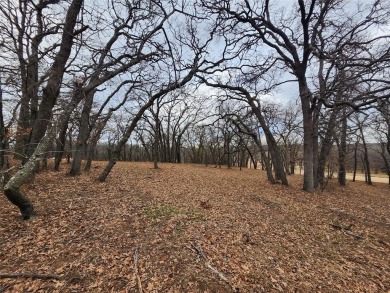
<point>189,79</point>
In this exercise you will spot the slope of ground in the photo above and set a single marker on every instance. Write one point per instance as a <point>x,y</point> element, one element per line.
<point>190,228</point>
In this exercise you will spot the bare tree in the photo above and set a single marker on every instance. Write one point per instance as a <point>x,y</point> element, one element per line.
<point>26,29</point>
<point>381,125</point>
<point>56,72</point>
<point>152,98</point>
<point>294,37</point>
<point>139,28</point>
<point>360,124</point>
<point>243,94</point>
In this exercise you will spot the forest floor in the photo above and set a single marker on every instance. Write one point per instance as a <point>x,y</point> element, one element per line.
<point>191,228</point>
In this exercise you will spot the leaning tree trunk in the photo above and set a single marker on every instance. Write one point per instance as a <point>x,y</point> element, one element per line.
<point>137,117</point>
<point>273,147</point>
<point>12,188</point>
<point>265,161</point>
<point>52,88</point>
<point>118,148</point>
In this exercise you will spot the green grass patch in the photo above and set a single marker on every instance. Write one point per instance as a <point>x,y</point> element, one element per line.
<point>162,211</point>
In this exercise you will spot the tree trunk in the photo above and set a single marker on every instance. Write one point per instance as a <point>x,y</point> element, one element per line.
<point>343,150</point>
<point>12,188</point>
<point>386,162</point>
<point>4,165</point>
<point>137,117</point>
<point>60,147</point>
<point>91,149</point>
<point>355,161</point>
<point>316,117</point>
<point>366,160</point>
<point>273,147</point>
<point>69,151</point>
<point>52,88</point>
<point>308,137</point>
<point>326,146</point>
<point>30,84</point>
<point>178,150</point>
<point>83,135</point>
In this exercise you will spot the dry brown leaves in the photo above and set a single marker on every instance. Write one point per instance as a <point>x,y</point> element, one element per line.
<point>188,228</point>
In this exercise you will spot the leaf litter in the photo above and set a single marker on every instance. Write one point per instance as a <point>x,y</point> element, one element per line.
<point>191,228</point>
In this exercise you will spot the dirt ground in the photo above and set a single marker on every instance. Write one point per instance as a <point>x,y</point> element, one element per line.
<point>191,228</point>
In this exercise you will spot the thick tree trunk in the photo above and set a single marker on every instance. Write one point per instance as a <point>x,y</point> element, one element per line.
<point>52,88</point>
<point>3,142</point>
<point>308,137</point>
<point>12,188</point>
<point>316,117</point>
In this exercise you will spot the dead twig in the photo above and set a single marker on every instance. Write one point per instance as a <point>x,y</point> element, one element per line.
<point>135,256</point>
<point>30,276</point>
<point>201,255</point>
<point>346,230</point>
<point>337,226</point>
<point>4,288</point>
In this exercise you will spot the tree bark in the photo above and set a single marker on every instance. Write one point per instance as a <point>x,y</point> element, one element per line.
<point>60,147</point>
<point>308,136</point>
<point>83,135</point>
<point>52,88</point>
<point>326,146</point>
<point>366,159</point>
<point>355,160</point>
<point>3,142</point>
<point>343,150</point>
<point>12,188</point>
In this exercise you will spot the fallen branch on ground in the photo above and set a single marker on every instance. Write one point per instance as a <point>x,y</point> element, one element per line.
<point>30,276</point>
<point>135,256</point>
<point>346,230</point>
<point>200,254</point>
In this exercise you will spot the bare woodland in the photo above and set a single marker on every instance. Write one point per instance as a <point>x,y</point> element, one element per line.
<point>297,90</point>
